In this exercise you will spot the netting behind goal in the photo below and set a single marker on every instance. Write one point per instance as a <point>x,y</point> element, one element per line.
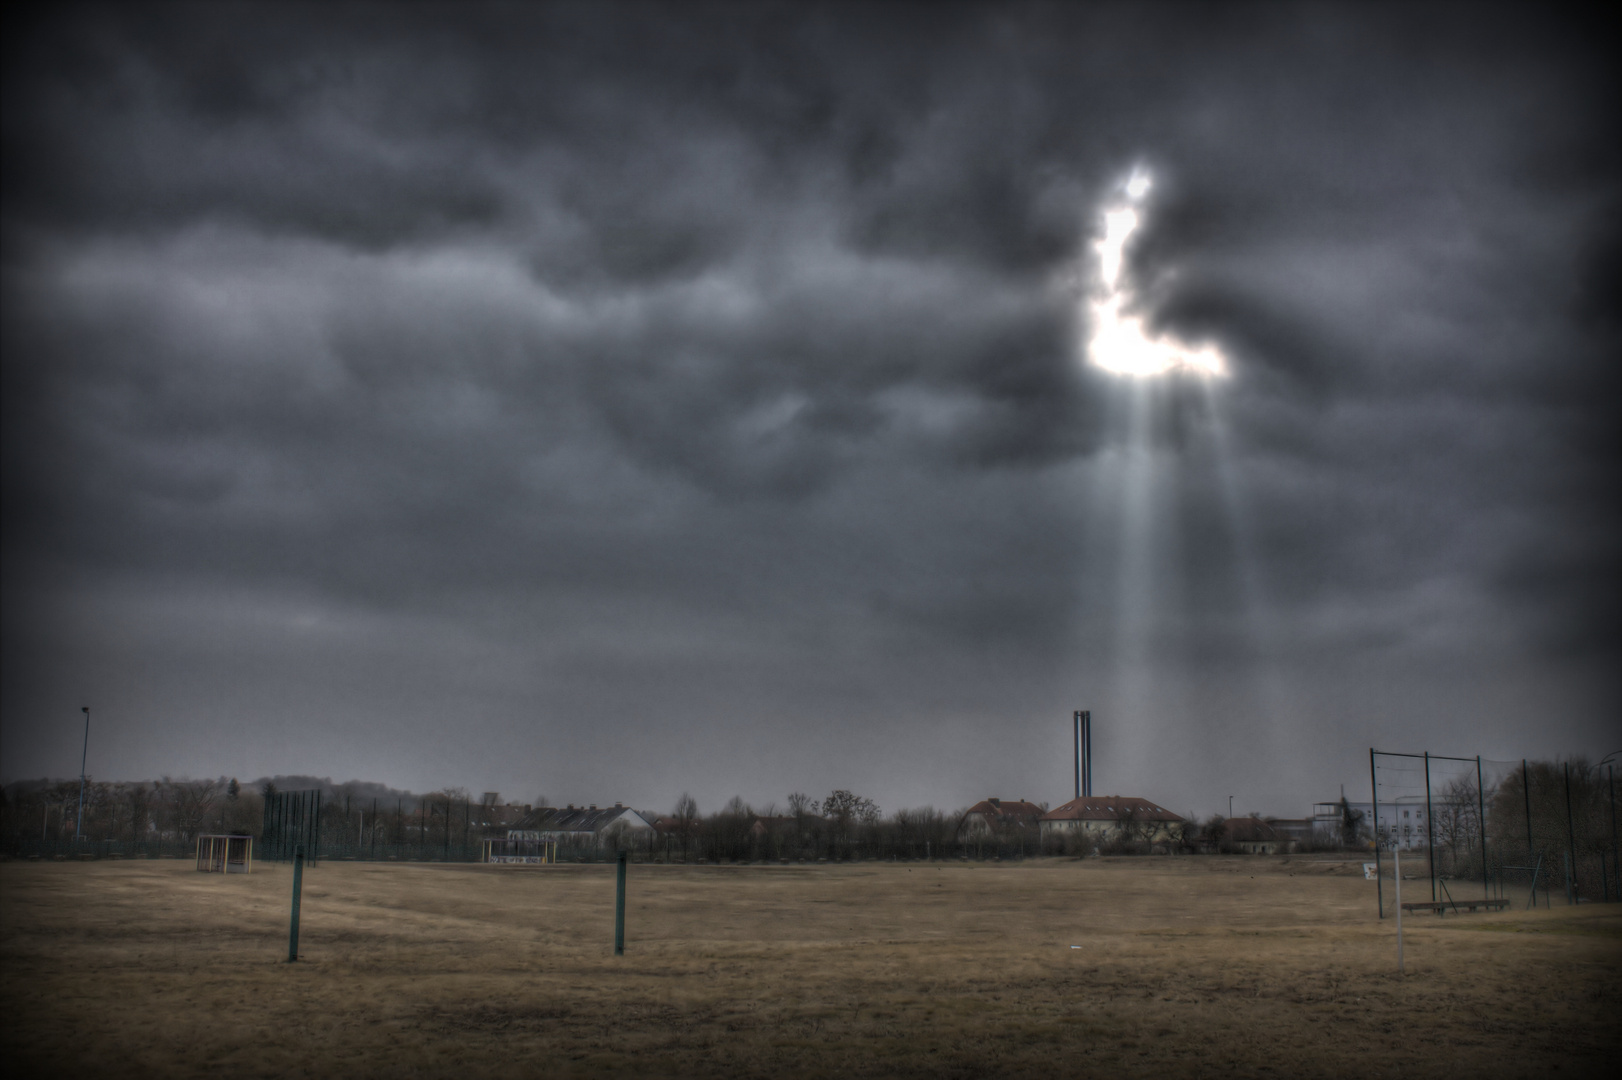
<point>1554,822</point>
<point>1515,830</point>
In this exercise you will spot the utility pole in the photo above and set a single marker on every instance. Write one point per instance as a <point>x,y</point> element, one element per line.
<point>78,828</point>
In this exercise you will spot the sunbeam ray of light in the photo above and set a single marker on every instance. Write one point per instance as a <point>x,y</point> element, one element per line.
<point>1141,483</point>
<point>1256,612</point>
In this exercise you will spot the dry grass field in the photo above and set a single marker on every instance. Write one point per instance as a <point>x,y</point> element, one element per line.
<point>1186,967</point>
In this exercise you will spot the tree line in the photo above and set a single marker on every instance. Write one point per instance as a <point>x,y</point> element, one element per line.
<point>166,816</point>
<point>1560,812</point>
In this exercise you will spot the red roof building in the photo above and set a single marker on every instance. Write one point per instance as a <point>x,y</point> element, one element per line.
<point>1110,817</point>
<point>997,816</point>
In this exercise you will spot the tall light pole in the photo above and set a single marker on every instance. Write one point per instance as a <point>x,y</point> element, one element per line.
<point>78,828</point>
<point>1230,806</point>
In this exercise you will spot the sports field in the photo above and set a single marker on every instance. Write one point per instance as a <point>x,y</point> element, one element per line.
<point>1196,966</point>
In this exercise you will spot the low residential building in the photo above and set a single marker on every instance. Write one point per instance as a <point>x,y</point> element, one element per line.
<point>493,814</point>
<point>997,817</point>
<point>1112,819</point>
<point>586,826</point>
<point>766,826</point>
<point>1302,831</point>
<point>1253,836</point>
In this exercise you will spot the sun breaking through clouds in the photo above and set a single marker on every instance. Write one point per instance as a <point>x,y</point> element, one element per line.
<point>1119,342</point>
<point>613,400</point>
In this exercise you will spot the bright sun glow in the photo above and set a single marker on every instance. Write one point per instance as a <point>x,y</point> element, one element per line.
<point>1120,343</point>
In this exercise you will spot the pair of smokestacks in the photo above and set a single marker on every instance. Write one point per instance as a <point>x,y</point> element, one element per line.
<point>1084,753</point>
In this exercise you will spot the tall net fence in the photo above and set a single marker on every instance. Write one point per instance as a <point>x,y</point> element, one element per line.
<point>1522,831</point>
<point>1555,822</point>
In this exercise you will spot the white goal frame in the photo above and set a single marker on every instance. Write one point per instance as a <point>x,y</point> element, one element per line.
<point>221,853</point>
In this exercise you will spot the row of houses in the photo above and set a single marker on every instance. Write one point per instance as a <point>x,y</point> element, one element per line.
<point>1090,822</point>
<point>1103,820</point>
<point>1100,817</point>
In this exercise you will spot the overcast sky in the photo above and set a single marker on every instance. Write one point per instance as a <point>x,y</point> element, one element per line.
<point>606,402</point>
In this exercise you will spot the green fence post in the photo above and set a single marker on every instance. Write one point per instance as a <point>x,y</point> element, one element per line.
<point>619,908</point>
<point>298,881</point>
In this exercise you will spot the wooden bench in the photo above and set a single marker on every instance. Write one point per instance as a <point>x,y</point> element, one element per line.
<point>1442,906</point>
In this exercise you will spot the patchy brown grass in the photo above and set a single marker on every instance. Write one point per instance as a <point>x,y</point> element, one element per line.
<point>1186,967</point>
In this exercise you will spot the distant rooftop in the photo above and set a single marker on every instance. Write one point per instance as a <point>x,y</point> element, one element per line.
<point>1110,808</point>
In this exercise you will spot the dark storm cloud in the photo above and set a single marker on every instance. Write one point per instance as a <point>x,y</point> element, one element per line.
<point>728,355</point>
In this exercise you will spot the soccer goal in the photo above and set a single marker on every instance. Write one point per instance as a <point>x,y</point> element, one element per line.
<point>221,854</point>
<point>521,846</point>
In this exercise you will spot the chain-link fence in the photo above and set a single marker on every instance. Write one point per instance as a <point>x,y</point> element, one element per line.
<point>1521,832</point>
<point>1554,827</point>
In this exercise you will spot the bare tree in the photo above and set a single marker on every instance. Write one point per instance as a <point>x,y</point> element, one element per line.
<point>920,831</point>
<point>843,806</point>
<point>846,813</point>
<point>1456,817</point>
<point>729,831</point>
<point>1351,824</point>
<point>686,817</point>
<point>140,799</point>
<point>189,804</point>
<point>1132,830</point>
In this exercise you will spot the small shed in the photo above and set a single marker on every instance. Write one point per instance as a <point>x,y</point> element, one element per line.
<point>1254,836</point>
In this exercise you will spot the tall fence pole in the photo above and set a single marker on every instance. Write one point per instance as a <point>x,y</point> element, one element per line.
<point>84,756</point>
<point>298,882</point>
<point>1526,795</point>
<point>1396,862</point>
<point>1379,882</point>
<point>1481,823</point>
<point>1571,844</point>
<point>1611,784</point>
<point>1430,829</point>
<point>619,907</point>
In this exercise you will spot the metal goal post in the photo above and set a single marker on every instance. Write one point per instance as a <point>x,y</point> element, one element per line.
<point>521,846</point>
<point>225,854</point>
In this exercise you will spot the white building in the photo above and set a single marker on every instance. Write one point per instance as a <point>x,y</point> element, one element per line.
<point>1398,822</point>
<point>582,826</point>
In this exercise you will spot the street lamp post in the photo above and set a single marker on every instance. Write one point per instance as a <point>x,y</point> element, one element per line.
<point>78,828</point>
